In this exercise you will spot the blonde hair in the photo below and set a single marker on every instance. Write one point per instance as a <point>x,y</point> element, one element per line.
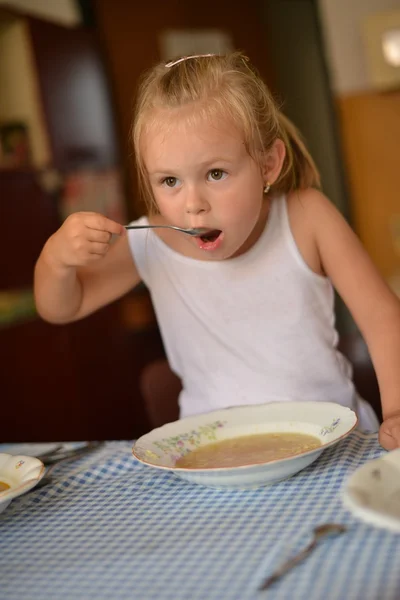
<point>227,85</point>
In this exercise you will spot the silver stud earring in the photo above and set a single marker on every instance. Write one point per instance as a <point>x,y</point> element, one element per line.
<point>267,187</point>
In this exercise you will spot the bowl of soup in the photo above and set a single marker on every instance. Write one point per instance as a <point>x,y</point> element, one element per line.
<point>246,446</point>
<point>18,474</point>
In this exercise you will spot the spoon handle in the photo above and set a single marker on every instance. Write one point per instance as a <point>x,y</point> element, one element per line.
<point>319,533</point>
<point>152,227</point>
<point>289,564</point>
<point>195,231</point>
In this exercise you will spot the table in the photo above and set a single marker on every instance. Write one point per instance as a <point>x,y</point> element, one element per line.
<point>110,527</point>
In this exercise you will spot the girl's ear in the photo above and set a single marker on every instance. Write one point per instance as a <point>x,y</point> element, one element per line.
<point>273,161</point>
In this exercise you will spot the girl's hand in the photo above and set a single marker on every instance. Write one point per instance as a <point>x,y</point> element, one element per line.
<point>83,238</point>
<point>389,432</point>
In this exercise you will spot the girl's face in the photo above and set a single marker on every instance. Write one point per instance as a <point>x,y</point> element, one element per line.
<point>202,176</point>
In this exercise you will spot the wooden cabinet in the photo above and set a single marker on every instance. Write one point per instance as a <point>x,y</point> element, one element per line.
<point>28,216</point>
<point>74,382</point>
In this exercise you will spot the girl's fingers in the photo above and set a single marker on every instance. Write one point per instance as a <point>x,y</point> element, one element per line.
<point>99,236</point>
<point>98,248</point>
<point>100,223</point>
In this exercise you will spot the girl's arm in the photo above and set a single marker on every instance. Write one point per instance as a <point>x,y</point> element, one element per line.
<point>79,271</point>
<point>375,308</point>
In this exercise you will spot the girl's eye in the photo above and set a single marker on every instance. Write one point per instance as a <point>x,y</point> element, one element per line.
<point>170,181</point>
<point>217,174</point>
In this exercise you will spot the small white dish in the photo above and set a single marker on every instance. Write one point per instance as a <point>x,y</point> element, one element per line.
<point>38,449</point>
<point>21,473</point>
<point>372,493</point>
<point>35,449</point>
<point>162,447</point>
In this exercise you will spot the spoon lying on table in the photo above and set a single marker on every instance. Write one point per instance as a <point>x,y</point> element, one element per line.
<point>52,459</point>
<point>195,232</point>
<point>319,532</point>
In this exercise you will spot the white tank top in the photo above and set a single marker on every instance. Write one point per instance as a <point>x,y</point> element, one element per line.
<point>252,329</point>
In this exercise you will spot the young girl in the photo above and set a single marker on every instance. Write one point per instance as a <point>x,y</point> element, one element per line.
<point>246,309</point>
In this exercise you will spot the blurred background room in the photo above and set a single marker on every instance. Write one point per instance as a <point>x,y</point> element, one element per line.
<point>69,70</point>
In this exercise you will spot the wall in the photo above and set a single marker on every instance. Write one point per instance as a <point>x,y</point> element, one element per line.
<point>64,12</point>
<point>370,130</point>
<point>300,71</point>
<point>341,25</point>
<point>20,97</point>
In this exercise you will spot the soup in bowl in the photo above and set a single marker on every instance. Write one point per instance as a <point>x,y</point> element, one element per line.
<point>246,446</point>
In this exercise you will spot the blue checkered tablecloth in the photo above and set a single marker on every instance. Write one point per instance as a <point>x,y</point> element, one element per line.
<point>110,527</point>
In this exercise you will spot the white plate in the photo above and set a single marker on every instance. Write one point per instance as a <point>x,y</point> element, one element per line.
<point>162,447</point>
<point>21,473</point>
<point>37,449</point>
<point>372,493</point>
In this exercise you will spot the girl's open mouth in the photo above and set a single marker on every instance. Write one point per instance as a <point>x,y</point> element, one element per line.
<point>210,240</point>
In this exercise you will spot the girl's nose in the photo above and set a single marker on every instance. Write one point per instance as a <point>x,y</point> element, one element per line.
<point>196,203</point>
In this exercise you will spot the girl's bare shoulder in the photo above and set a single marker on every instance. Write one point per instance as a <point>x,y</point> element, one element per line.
<point>304,209</point>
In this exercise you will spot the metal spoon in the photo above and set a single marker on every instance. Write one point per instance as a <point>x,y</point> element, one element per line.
<point>61,454</point>
<point>51,461</point>
<point>194,232</point>
<point>319,532</point>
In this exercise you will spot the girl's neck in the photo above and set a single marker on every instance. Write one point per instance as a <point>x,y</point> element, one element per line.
<point>258,229</point>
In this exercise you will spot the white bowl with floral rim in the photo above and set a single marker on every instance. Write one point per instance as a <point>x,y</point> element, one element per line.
<point>162,447</point>
<point>19,473</point>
